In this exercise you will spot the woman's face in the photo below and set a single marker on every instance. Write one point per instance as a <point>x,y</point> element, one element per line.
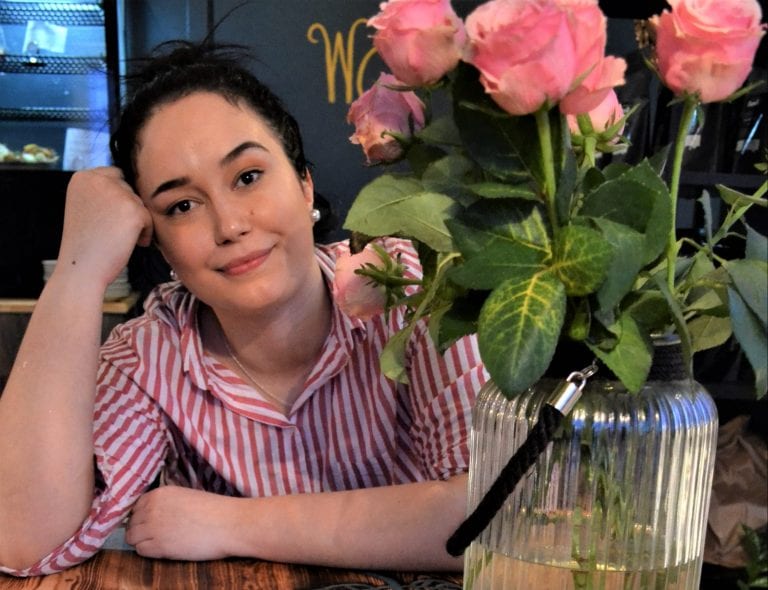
<point>230,214</point>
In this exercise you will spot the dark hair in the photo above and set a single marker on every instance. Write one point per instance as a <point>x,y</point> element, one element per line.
<point>180,68</point>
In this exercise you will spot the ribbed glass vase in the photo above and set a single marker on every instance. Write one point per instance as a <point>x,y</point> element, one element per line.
<point>618,501</point>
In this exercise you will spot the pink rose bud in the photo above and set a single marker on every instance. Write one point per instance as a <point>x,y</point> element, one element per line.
<point>603,116</point>
<point>357,295</point>
<point>707,46</point>
<point>380,111</point>
<point>419,40</point>
<point>524,50</point>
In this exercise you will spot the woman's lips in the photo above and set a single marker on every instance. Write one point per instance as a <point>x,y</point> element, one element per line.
<point>245,264</point>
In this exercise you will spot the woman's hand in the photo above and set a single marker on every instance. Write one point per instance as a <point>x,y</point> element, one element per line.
<point>103,221</point>
<point>180,523</point>
<point>388,527</point>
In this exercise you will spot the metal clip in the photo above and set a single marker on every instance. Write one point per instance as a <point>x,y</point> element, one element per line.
<point>568,393</point>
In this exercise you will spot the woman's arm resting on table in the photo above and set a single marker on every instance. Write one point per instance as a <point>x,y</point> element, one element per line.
<point>391,527</point>
<point>46,410</point>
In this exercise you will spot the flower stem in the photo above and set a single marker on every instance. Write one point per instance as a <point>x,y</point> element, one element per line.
<point>689,109</point>
<point>548,165</point>
<point>590,146</point>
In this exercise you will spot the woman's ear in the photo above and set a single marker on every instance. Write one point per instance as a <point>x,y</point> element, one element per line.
<point>308,188</point>
<point>156,245</point>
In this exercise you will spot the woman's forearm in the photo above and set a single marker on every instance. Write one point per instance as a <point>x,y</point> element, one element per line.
<point>391,527</point>
<point>46,414</point>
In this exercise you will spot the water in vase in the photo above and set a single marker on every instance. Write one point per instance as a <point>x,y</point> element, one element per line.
<point>487,570</point>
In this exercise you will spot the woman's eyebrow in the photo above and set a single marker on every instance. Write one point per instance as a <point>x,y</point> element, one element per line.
<point>233,154</point>
<point>246,145</point>
<point>169,185</point>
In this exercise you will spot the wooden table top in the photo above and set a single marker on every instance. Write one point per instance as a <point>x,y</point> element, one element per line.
<point>125,570</point>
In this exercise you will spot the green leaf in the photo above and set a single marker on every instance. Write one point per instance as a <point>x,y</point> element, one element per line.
<point>626,262</point>
<point>518,330</point>
<point>580,320</point>
<point>630,360</point>
<point>508,220</point>
<point>700,266</point>
<point>639,198</point>
<point>757,245</point>
<point>752,338</point>
<point>593,178</point>
<point>581,259</point>
<point>461,319</point>
<point>399,206</point>
<point>421,155</point>
<point>446,176</point>
<point>750,278</point>
<point>503,145</point>
<point>501,190</point>
<point>441,131</point>
<point>658,161</point>
<point>737,200</point>
<point>480,131</point>
<point>676,314</point>
<point>392,358</point>
<point>708,331</point>
<point>501,260</point>
<point>709,300</point>
<point>615,169</point>
<point>566,187</point>
<point>705,200</point>
<point>650,310</point>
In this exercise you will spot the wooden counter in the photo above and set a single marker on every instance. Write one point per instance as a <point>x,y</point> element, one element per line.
<point>118,306</point>
<point>125,570</point>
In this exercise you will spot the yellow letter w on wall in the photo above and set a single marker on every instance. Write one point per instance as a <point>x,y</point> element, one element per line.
<point>337,54</point>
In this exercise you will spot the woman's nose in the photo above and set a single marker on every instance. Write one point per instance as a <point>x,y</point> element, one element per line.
<point>231,221</point>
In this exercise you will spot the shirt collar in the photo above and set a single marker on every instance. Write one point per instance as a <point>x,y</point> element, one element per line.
<point>337,350</point>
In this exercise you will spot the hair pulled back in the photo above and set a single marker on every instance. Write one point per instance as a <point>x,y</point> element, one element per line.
<point>181,68</point>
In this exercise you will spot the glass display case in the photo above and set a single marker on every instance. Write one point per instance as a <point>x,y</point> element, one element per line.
<point>58,82</point>
<point>59,88</point>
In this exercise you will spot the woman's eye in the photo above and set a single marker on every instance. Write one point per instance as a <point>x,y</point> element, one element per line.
<point>248,177</point>
<point>179,207</point>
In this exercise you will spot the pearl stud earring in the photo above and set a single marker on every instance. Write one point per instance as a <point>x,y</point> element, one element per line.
<point>315,215</point>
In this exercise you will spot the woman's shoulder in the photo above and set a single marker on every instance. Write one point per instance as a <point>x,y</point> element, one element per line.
<point>168,310</point>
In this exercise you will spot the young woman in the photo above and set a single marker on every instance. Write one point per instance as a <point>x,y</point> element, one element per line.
<point>243,387</point>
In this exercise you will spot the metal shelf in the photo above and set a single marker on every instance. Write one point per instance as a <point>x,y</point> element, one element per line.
<point>51,114</point>
<point>730,179</point>
<point>60,13</point>
<point>46,64</point>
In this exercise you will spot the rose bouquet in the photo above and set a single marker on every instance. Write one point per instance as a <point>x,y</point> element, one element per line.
<point>524,237</point>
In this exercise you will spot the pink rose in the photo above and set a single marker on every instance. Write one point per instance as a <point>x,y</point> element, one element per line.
<point>531,52</point>
<point>357,295</point>
<point>380,111</point>
<point>593,90</point>
<point>587,24</point>
<point>602,117</point>
<point>707,46</point>
<point>595,74</point>
<point>419,40</point>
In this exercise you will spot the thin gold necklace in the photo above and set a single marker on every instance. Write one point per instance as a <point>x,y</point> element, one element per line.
<point>261,389</point>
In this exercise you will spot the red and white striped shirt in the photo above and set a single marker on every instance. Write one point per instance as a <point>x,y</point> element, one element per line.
<point>164,404</point>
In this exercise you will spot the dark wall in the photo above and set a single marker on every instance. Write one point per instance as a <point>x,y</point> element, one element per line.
<point>30,227</point>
